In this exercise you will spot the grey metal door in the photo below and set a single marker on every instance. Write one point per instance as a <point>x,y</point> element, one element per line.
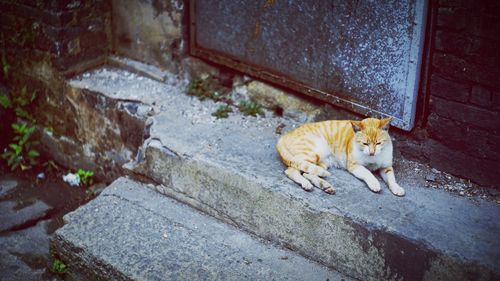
<point>360,54</point>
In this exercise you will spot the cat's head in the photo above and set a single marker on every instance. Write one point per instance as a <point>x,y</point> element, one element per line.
<point>371,135</point>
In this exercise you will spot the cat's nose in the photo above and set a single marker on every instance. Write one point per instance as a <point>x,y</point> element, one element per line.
<point>372,153</point>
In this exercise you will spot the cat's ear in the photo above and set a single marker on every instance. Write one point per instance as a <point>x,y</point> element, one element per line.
<point>357,126</point>
<point>384,123</point>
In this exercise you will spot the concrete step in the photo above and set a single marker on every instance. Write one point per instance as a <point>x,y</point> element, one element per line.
<point>131,232</point>
<point>229,169</point>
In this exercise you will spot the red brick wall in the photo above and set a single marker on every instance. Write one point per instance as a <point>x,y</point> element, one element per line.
<point>463,121</point>
<point>73,34</point>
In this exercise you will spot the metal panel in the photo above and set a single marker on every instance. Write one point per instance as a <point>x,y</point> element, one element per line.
<point>360,54</point>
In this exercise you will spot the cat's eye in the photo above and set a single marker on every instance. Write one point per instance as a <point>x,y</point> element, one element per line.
<point>379,143</point>
<point>365,143</point>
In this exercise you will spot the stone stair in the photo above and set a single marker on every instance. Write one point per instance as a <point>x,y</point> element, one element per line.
<point>131,232</point>
<point>228,168</point>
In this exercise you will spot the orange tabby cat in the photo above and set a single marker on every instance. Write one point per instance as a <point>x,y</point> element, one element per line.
<point>358,146</point>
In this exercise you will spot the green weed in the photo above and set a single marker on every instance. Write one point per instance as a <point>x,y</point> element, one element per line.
<point>222,111</point>
<point>5,65</point>
<point>86,177</point>
<point>21,102</point>
<point>59,267</point>
<point>199,89</point>
<point>251,108</point>
<point>21,152</point>
<point>5,101</point>
<point>208,88</point>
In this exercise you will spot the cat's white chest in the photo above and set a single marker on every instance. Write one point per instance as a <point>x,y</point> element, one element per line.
<point>381,160</point>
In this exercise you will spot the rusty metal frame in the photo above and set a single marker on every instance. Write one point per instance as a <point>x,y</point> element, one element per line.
<point>282,80</point>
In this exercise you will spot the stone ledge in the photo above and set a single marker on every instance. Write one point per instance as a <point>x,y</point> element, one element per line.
<point>11,218</point>
<point>131,232</point>
<point>229,168</point>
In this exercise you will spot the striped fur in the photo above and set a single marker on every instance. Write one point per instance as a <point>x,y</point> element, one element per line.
<point>357,146</point>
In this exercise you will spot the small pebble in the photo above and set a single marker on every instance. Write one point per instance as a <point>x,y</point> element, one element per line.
<point>430,177</point>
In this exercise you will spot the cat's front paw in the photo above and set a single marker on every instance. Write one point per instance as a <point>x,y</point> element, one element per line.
<point>397,190</point>
<point>307,186</point>
<point>373,185</point>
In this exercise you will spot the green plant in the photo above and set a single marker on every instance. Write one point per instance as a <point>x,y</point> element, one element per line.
<point>59,267</point>
<point>251,108</point>
<point>222,111</point>
<point>21,153</point>
<point>5,65</point>
<point>207,89</point>
<point>86,177</point>
<point>5,101</point>
<point>21,102</point>
<point>198,89</point>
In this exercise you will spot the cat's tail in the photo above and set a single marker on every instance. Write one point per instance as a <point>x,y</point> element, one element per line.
<point>298,163</point>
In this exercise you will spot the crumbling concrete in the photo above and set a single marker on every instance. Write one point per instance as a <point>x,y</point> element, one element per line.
<point>150,31</point>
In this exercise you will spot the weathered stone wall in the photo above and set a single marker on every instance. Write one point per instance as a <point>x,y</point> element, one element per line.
<point>151,31</point>
<point>462,128</point>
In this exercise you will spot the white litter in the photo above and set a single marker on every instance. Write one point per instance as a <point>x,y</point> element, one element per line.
<point>72,179</point>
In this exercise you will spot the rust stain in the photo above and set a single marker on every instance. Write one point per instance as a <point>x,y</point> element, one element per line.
<point>256,31</point>
<point>268,4</point>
